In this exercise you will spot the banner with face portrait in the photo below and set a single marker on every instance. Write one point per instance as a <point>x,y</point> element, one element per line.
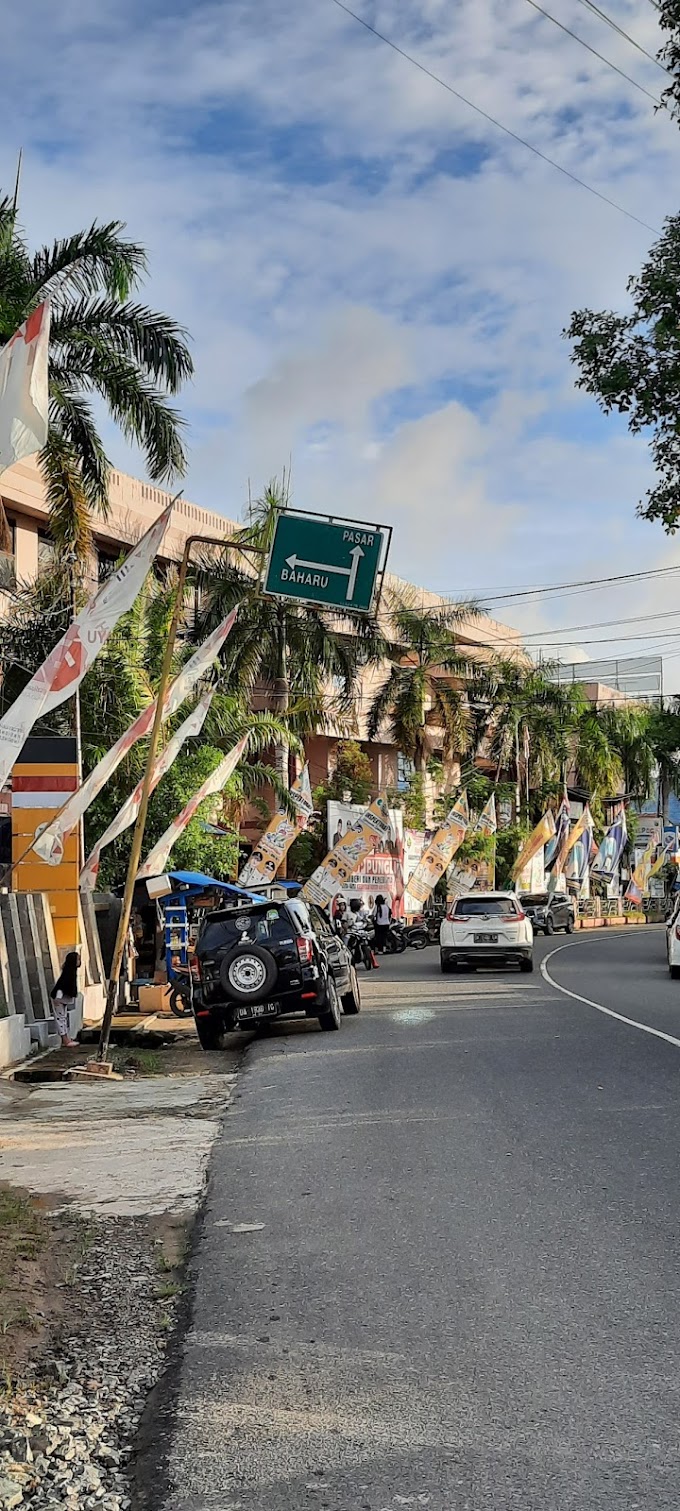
<point>271,849</point>
<point>372,828</point>
<point>439,854</point>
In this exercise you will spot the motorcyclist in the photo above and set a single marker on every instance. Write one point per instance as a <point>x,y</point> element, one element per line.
<point>343,923</point>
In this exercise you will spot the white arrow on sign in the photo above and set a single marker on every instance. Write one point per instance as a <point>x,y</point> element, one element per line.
<point>321,566</point>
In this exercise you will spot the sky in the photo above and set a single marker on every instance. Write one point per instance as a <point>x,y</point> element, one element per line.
<point>376,279</point>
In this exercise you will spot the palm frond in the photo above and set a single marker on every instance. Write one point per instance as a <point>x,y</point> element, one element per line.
<point>86,263</point>
<point>151,340</point>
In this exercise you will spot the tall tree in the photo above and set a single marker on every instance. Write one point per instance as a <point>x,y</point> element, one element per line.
<point>428,683</point>
<point>103,345</point>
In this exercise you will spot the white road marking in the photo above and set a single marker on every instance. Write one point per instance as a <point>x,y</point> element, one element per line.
<point>644,1028</point>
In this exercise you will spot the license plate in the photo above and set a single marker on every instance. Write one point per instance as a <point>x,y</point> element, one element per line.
<point>486,939</point>
<point>259,1010</point>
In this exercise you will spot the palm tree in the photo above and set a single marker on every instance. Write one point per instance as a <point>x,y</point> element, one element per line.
<point>103,345</point>
<point>303,661</point>
<point>597,762</point>
<point>428,682</point>
<point>532,721</point>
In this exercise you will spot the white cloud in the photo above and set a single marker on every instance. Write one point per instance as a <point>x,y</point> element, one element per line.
<point>375,279</point>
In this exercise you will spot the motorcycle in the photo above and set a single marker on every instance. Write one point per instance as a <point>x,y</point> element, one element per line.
<point>395,941</point>
<point>359,943</point>
<point>416,936</point>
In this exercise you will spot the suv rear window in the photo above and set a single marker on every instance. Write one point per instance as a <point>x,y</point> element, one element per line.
<point>476,907</point>
<point>263,925</point>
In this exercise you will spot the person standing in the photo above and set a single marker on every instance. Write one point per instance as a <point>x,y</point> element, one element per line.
<point>64,995</point>
<point>383,918</point>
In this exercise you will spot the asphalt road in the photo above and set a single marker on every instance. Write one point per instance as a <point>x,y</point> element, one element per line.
<point>439,1261</point>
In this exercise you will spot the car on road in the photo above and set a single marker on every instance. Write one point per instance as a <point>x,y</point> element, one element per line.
<point>673,940</point>
<point>486,928</point>
<point>268,959</point>
<point>549,911</point>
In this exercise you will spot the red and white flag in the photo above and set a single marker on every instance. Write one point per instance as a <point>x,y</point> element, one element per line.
<point>157,860</point>
<point>63,671</point>
<point>126,815</point>
<point>49,844</point>
<point>24,396</point>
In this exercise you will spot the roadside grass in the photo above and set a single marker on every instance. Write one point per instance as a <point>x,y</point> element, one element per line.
<point>145,1062</point>
<point>24,1234</point>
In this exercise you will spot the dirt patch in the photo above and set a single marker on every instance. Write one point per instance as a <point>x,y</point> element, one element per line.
<point>39,1250</point>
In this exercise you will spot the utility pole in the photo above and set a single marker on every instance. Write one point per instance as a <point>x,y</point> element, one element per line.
<point>281,700</point>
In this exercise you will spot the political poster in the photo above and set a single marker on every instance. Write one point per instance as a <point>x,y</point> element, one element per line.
<point>269,852</point>
<point>438,854</point>
<point>367,836</point>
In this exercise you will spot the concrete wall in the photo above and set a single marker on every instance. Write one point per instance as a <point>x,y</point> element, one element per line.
<point>29,966</point>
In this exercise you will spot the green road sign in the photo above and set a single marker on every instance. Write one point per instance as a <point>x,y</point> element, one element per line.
<point>334,562</point>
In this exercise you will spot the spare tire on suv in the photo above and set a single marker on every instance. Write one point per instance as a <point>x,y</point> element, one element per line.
<point>248,973</point>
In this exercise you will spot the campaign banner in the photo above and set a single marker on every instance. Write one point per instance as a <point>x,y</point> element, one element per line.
<point>24,388</point>
<point>63,670</point>
<point>49,843</point>
<point>157,859</point>
<point>370,831</point>
<point>382,871</point>
<point>578,853</point>
<point>639,880</point>
<point>606,863</point>
<point>439,853</point>
<point>538,839</point>
<point>554,848</point>
<point>270,850</point>
<point>126,815</point>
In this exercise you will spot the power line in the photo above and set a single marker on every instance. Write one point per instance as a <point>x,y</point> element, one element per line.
<point>615,27</point>
<point>492,119</point>
<point>594,52</point>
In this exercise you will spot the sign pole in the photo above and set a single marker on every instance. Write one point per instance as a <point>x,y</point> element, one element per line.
<point>138,834</point>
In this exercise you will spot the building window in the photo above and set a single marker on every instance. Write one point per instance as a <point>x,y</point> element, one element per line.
<point>46,551</point>
<point>405,772</point>
<point>8,563</point>
<point>106,564</point>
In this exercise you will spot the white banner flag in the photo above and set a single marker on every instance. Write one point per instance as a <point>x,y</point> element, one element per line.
<point>157,860</point>
<point>24,396</point>
<point>276,841</point>
<point>63,671</point>
<point>128,813</point>
<point>49,843</point>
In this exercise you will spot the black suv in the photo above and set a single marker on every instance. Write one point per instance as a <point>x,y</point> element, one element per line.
<point>548,912</point>
<point>270,959</point>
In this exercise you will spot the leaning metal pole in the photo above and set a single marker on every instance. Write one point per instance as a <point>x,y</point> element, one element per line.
<point>138,834</point>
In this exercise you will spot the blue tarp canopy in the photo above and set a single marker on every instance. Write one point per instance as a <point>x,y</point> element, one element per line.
<point>198,882</point>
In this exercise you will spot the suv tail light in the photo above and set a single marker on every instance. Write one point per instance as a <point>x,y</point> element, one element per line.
<point>305,950</point>
<point>513,917</point>
<point>454,917</point>
<point>677,930</point>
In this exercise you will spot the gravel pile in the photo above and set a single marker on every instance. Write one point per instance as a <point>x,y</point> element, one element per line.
<point>66,1437</point>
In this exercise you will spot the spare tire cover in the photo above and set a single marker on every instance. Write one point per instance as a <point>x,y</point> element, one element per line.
<point>248,973</point>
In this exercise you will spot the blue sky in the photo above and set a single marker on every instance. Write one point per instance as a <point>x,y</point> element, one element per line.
<point>375,280</point>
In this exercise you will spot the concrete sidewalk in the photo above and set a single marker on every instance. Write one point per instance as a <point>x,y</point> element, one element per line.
<point>136,1147</point>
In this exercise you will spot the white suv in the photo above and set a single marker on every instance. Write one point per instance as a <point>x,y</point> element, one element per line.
<point>484,927</point>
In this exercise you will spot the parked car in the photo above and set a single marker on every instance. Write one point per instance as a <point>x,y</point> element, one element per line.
<point>673,940</point>
<point>271,959</point>
<point>549,911</point>
<point>486,927</point>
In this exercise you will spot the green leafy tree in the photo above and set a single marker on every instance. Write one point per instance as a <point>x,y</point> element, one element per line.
<point>428,683</point>
<point>104,345</point>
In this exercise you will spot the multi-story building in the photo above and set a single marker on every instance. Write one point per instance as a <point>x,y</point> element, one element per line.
<point>133,507</point>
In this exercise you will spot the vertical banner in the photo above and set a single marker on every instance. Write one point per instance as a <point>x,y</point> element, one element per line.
<point>606,863</point>
<point>276,841</point>
<point>157,858</point>
<point>63,670</point>
<point>49,843</point>
<point>637,885</point>
<point>126,815</point>
<point>439,852</point>
<point>370,829</point>
<point>540,836</point>
<point>381,872</point>
<point>24,389</point>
